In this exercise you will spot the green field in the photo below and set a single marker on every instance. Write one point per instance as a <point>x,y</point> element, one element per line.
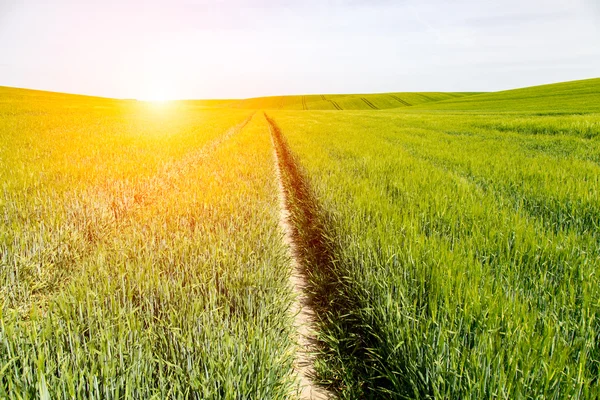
<point>333,101</point>
<point>451,244</point>
<point>576,97</point>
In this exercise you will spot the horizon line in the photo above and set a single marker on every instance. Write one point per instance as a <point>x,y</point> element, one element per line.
<point>281,95</point>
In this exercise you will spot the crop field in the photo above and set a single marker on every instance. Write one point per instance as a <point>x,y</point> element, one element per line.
<point>449,243</point>
<point>141,255</point>
<point>342,101</point>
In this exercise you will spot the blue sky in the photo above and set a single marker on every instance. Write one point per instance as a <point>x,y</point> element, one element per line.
<point>243,48</point>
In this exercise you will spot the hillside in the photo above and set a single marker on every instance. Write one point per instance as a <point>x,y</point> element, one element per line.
<point>379,101</point>
<point>582,96</point>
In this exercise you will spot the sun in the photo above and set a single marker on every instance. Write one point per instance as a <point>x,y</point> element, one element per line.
<point>158,93</point>
<point>156,97</point>
<point>158,79</point>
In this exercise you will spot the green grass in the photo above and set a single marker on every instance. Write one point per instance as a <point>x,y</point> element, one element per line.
<point>344,101</point>
<point>464,251</point>
<point>141,254</point>
<point>559,98</point>
<point>451,241</point>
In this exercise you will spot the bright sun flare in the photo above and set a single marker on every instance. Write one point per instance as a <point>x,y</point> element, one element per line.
<point>157,95</point>
<point>155,98</point>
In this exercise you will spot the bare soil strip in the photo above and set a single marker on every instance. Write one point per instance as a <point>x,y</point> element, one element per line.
<point>304,313</point>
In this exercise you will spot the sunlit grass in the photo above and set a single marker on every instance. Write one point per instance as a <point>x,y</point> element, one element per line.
<point>452,253</point>
<point>140,254</point>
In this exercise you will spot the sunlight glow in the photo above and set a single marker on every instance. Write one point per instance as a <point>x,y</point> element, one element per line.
<point>158,84</point>
<point>157,96</point>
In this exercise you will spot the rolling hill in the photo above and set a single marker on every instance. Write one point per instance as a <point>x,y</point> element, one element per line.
<point>378,101</point>
<point>582,96</point>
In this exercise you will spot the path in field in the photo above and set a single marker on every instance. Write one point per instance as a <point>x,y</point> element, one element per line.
<point>304,314</point>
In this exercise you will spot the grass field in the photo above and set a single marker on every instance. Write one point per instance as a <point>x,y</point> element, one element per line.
<point>341,101</point>
<point>574,97</point>
<point>450,241</point>
<point>141,255</point>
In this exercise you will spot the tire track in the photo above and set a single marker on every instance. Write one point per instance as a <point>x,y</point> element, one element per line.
<point>305,240</point>
<point>325,288</point>
<point>367,102</point>
<point>399,100</point>
<point>335,105</point>
<point>428,98</point>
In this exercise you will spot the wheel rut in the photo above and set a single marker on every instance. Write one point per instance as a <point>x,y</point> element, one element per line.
<point>291,191</point>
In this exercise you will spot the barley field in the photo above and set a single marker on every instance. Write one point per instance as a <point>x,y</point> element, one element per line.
<point>450,243</point>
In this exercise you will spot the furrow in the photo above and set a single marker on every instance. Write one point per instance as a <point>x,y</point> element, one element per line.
<point>296,208</point>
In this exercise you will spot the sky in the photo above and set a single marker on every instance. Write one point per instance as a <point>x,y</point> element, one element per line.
<point>245,48</point>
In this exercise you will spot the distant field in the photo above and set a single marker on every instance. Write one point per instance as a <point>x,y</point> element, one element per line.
<point>559,98</point>
<point>451,244</point>
<point>343,101</point>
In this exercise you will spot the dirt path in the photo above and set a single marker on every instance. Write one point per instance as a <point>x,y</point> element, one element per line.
<point>304,315</point>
